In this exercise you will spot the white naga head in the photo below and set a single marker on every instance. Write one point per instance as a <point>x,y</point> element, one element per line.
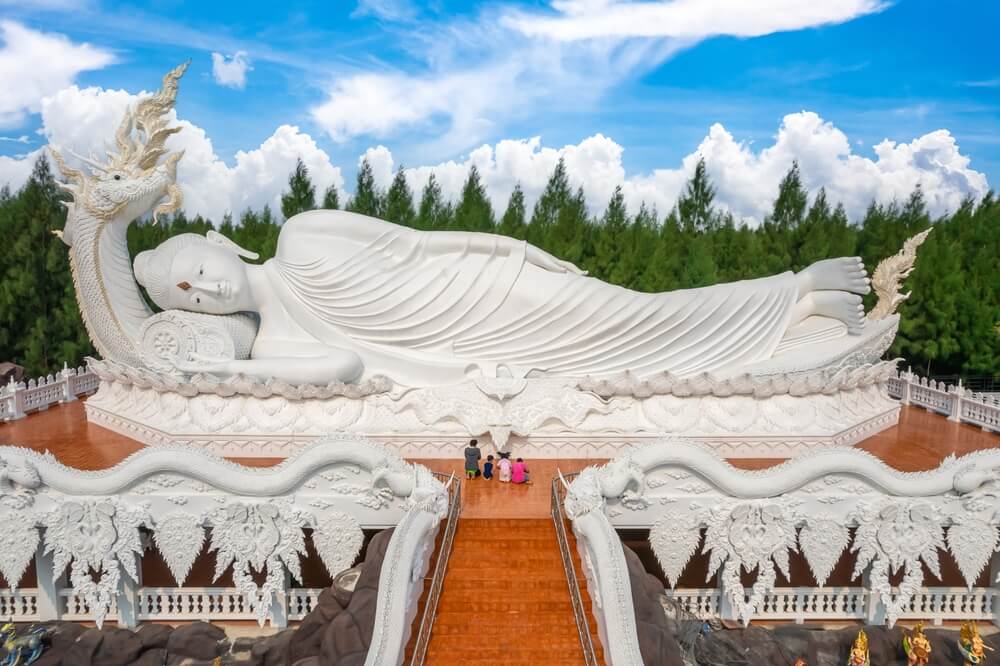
<point>196,273</point>
<point>132,181</point>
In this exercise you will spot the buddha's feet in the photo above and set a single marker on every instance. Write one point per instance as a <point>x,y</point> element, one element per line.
<point>840,274</point>
<point>838,305</point>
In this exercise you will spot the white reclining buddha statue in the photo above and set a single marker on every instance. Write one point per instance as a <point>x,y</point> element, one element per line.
<point>349,296</point>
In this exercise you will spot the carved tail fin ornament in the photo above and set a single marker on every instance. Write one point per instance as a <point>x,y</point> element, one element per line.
<point>890,273</point>
<point>131,182</point>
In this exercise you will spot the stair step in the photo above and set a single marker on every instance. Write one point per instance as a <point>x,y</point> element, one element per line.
<point>505,598</point>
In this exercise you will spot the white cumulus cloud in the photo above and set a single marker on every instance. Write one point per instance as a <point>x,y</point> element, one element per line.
<point>746,179</point>
<point>34,64</point>
<point>746,176</point>
<point>84,120</point>
<point>231,71</point>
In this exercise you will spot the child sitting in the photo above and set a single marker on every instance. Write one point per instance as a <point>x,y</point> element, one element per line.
<point>488,468</point>
<point>519,473</point>
<point>505,468</point>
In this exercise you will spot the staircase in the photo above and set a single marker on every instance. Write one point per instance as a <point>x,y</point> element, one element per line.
<point>505,599</point>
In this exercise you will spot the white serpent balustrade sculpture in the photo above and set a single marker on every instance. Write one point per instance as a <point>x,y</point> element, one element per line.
<point>257,516</point>
<point>822,504</point>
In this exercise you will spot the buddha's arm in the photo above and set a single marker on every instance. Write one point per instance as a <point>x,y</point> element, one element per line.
<point>368,230</point>
<point>333,365</point>
<point>473,241</point>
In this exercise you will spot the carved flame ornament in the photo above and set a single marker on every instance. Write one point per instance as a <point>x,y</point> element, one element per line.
<point>890,272</point>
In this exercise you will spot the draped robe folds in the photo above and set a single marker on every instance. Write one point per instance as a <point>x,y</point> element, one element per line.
<point>424,314</point>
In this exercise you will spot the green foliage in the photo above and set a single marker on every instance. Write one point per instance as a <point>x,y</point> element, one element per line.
<point>331,199</point>
<point>553,198</point>
<point>513,221</point>
<point>367,199</point>
<point>948,326</point>
<point>399,201</point>
<point>435,212</point>
<point>40,325</point>
<point>474,211</point>
<point>694,208</point>
<point>301,194</point>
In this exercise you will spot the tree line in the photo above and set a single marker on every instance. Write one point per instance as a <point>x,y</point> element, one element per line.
<point>950,324</point>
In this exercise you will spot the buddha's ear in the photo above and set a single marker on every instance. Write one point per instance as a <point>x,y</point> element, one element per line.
<point>217,238</point>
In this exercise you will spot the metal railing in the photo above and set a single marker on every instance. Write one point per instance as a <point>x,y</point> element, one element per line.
<point>579,614</point>
<point>454,486</point>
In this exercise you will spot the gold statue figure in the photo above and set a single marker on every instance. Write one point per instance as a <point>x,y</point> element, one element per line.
<point>971,645</point>
<point>859,651</point>
<point>916,646</point>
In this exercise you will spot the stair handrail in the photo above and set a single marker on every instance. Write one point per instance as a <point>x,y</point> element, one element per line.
<point>559,518</point>
<point>454,486</point>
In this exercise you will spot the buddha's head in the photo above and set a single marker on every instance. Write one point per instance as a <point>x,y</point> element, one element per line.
<point>196,273</point>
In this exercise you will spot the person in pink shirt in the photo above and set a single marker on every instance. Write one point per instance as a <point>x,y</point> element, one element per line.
<point>519,473</point>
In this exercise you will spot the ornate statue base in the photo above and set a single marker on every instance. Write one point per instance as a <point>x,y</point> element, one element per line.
<point>840,403</point>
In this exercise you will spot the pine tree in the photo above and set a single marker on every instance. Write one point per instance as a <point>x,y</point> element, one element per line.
<point>301,194</point>
<point>40,324</point>
<point>547,208</point>
<point>640,242</point>
<point>513,222</point>
<point>367,199</point>
<point>790,206</point>
<point>570,236</point>
<point>331,199</point>
<point>610,240</point>
<point>662,273</point>
<point>473,212</point>
<point>434,213</point>
<point>780,234</point>
<point>695,205</point>
<point>399,201</point>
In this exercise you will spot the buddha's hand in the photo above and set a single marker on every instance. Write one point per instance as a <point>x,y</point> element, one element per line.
<point>199,363</point>
<point>543,259</point>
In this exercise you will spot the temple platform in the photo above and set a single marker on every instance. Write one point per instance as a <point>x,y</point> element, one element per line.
<point>919,441</point>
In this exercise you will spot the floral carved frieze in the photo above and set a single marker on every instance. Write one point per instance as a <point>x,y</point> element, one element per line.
<point>98,535</point>
<point>254,520</point>
<point>823,504</point>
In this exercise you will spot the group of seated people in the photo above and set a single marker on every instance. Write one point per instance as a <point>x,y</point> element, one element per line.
<point>506,471</point>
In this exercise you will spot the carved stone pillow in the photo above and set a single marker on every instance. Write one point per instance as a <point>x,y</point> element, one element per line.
<point>177,335</point>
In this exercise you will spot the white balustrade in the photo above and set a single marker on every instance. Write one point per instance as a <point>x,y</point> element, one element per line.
<point>20,606</point>
<point>955,402</point>
<point>798,604</point>
<point>17,399</point>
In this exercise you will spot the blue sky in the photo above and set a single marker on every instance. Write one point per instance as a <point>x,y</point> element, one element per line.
<point>433,81</point>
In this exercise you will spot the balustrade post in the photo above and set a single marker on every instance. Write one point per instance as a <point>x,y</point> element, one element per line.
<point>906,378</point>
<point>17,404</point>
<point>65,376</point>
<point>956,402</point>
<point>48,603</point>
<point>128,597</point>
<point>994,584</point>
<point>726,610</point>
<point>874,610</point>
<point>279,605</point>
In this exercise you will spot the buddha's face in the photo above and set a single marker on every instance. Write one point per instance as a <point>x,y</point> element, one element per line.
<point>209,278</point>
